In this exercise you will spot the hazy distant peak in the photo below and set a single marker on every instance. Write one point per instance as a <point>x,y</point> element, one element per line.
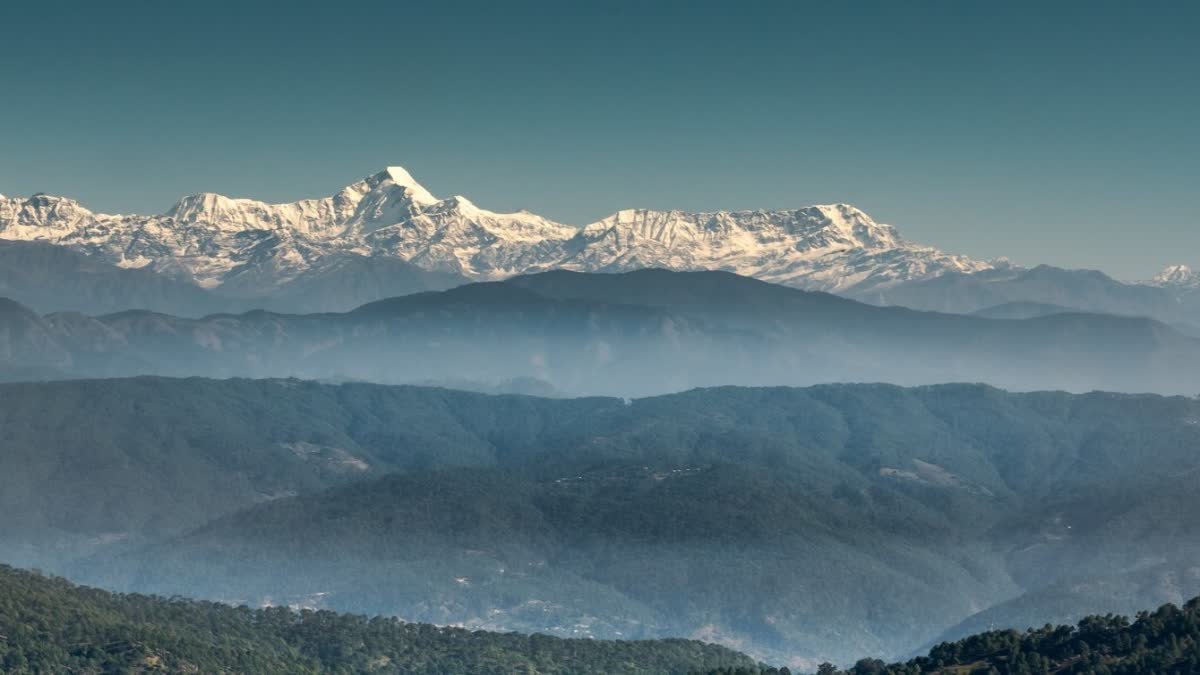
<point>1180,276</point>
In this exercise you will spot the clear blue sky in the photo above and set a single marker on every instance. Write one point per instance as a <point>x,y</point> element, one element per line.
<point>1058,132</point>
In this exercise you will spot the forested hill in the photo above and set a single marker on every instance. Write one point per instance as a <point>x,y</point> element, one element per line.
<point>1162,642</point>
<point>797,525</point>
<point>48,625</point>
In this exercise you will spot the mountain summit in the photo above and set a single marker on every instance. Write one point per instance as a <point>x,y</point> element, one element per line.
<point>1177,276</point>
<point>249,247</point>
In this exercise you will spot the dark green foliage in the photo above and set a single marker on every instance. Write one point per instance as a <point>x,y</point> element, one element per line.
<point>50,626</point>
<point>1162,642</point>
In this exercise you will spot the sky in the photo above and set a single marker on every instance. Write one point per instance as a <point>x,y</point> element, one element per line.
<point>1062,133</point>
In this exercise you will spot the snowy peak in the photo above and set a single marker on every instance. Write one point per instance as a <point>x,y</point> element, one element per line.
<point>833,247</point>
<point>414,190</point>
<point>41,216</point>
<point>1177,276</point>
<point>212,208</point>
<point>213,240</point>
<point>853,225</point>
<point>814,227</point>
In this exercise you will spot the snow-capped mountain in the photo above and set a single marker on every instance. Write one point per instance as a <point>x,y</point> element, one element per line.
<point>1180,277</point>
<point>251,248</point>
<point>831,248</point>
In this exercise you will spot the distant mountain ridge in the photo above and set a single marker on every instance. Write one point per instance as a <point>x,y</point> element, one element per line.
<point>218,242</point>
<point>388,235</point>
<point>636,333</point>
<point>1177,276</point>
<point>1173,297</point>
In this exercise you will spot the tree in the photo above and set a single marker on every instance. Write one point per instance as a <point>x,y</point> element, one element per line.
<point>869,667</point>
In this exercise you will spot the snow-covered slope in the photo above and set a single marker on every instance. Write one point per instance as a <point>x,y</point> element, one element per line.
<point>832,247</point>
<point>248,247</point>
<point>1177,277</point>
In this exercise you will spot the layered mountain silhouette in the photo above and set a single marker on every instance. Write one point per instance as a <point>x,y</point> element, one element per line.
<point>1073,290</point>
<point>273,254</point>
<point>650,331</point>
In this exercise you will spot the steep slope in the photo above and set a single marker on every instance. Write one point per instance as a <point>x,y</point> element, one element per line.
<point>52,626</point>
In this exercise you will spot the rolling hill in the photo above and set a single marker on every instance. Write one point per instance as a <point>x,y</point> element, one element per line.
<point>797,525</point>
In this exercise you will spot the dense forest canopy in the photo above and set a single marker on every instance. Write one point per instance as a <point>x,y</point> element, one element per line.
<point>1161,642</point>
<point>48,625</point>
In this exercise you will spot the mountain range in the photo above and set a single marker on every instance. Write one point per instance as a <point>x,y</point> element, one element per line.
<point>691,490</point>
<point>387,235</point>
<point>1172,297</point>
<point>798,525</point>
<point>243,248</point>
<point>636,333</point>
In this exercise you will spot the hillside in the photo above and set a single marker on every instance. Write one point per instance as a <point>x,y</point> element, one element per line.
<point>1165,641</point>
<point>807,524</point>
<point>48,625</point>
